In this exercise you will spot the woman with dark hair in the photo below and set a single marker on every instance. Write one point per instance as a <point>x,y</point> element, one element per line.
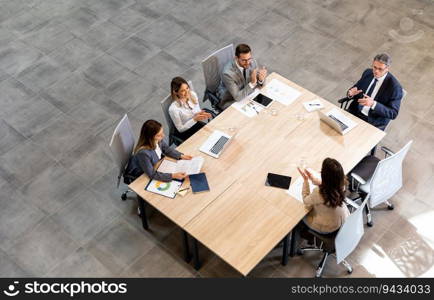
<point>328,211</point>
<point>149,150</point>
<point>185,111</point>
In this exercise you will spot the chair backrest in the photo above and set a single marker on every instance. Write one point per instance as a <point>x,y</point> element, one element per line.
<point>122,144</point>
<point>387,177</point>
<point>165,104</point>
<point>213,66</point>
<point>404,94</point>
<point>349,234</point>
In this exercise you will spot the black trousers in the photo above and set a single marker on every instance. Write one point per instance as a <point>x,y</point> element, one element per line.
<point>188,133</point>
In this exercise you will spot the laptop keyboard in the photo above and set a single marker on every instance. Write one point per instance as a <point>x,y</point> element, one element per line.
<point>342,125</point>
<point>219,145</point>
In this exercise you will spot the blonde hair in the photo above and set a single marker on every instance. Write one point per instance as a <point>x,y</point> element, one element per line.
<point>175,85</point>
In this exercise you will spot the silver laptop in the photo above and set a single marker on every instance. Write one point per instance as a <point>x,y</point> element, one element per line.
<point>337,121</point>
<point>216,143</point>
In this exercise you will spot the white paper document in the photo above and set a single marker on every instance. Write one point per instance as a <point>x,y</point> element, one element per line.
<point>296,188</point>
<point>249,107</point>
<point>190,167</point>
<point>281,92</point>
<point>167,189</point>
<point>313,105</point>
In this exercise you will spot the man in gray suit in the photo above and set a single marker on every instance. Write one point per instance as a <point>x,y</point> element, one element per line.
<point>240,77</point>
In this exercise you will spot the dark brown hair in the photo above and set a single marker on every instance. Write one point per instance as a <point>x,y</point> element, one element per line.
<point>147,135</point>
<point>242,48</point>
<point>332,187</point>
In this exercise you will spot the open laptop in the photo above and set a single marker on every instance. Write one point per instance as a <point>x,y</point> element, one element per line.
<point>215,143</point>
<point>337,121</point>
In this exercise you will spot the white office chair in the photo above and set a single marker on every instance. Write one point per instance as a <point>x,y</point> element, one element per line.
<point>212,67</point>
<point>340,244</point>
<point>383,182</point>
<point>121,146</point>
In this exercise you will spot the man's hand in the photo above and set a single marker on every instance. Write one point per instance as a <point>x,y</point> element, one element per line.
<point>366,101</point>
<point>186,157</point>
<point>262,74</point>
<point>253,75</point>
<point>354,91</point>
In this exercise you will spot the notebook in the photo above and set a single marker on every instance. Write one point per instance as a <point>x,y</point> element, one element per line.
<point>277,180</point>
<point>199,183</point>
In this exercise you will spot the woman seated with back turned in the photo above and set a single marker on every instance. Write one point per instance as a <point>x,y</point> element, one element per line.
<point>185,111</point>
<point>149,150</point>
<point>328,211</point>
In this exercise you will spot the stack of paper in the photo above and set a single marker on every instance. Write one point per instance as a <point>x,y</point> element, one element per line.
<point>281,92</point>
<point>192,166</point>
<point>313,105</point>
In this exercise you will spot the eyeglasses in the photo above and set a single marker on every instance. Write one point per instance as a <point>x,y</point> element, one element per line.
<point>379,69</point>
<point>246,60</point>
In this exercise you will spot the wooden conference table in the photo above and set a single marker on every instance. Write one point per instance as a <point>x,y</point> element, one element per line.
<point>240,219</point>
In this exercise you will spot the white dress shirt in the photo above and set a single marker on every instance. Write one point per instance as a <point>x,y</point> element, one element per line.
<point>182,115</point>
<point>158,151</point>
<point>380,80</point>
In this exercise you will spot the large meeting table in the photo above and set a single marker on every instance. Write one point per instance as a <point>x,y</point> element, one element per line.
<point>241,219</point>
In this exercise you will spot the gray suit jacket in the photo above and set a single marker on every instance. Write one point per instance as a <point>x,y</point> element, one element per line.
<point>144,161</point>
<point>233,87</point>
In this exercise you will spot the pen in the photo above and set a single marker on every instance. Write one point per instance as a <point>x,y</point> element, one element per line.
<point>314,104</point>
<point>183,189</point>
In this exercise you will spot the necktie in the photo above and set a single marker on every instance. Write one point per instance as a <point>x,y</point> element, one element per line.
<point>369,93</point>
<point>371,89</point>
<point>244,74</point>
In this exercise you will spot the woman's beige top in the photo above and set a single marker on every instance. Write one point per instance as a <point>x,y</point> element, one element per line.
<point>322,218</point>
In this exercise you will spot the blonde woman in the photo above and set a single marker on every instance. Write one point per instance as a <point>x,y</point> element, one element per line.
<point>185,111</point>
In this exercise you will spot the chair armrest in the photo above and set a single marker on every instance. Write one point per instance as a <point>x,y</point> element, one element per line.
<point>343,100</point>
<point>213,114</point>
<point>387,151</point>
<point>358,178</point>
<point>351,203</point>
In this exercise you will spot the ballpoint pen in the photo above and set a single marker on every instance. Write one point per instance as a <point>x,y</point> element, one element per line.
<point>315,104</point>
<point>181,190</point>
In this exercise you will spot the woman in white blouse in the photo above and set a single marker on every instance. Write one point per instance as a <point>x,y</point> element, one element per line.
<point>185,111</point>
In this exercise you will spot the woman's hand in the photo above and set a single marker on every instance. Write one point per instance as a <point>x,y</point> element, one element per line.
<point>303,173</point>
<point>180,175</point>
<point>201,116</point>
<point>312,178</point>
<point>186,157</point>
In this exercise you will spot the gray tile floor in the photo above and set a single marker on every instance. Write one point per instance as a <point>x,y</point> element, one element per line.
<point>69,70</point>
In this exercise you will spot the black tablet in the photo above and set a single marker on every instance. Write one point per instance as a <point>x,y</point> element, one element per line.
<point>263,100</point>
<point>279,181</point>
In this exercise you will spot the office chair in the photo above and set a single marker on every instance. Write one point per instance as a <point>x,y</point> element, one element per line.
<point>165,104</point>
<point>378,180</point>
<point>121,146</point>
<point>339,244</point>
<point>212,67</point>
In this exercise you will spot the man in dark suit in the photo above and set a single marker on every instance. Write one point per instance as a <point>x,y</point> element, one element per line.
<point>240,77</point>
<point>377,95</point>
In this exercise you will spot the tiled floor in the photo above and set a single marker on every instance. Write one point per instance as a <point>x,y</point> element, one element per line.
<point>69,70</point>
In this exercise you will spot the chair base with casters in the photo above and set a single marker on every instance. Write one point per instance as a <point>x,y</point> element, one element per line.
<point>361,177</point>
<point>327,247</point>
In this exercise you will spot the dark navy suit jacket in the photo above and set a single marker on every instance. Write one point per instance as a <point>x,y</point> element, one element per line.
<point>388,99</point>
